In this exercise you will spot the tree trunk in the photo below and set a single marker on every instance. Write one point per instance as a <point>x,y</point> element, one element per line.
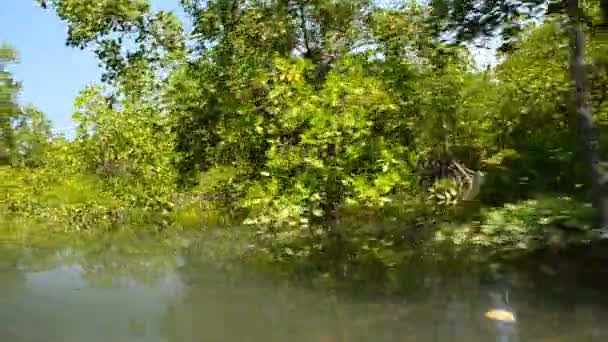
<point>332,191</point>
<point>584,120</point>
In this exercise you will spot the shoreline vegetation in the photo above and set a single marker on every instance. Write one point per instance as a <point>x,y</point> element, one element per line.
<point>39,209</point>
<point>307,154</point>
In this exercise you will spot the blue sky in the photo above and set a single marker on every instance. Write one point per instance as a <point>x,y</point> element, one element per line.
<point>51,73</point>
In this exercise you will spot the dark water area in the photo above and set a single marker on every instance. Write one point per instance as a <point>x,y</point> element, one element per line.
<point>79,292</point>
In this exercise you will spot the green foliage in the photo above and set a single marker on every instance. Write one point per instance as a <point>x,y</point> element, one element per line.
<point>338,117</point>
<point>9,108</point>
<point>107,25</point>
<point>24,132</point>
<point>524,225</point>
<point>32,134</point>
<point>130,147</point>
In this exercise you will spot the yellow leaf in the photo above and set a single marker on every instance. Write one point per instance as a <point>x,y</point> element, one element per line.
<point>500,315</point>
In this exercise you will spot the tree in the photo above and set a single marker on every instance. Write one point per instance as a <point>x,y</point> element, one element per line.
<point>32,137</point>
<point>9,108</point>
<point>128,144</point>
<point>470,20</point>
<point>156,39</point>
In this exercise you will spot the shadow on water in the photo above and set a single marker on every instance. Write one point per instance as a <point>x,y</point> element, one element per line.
<point>68,293</point>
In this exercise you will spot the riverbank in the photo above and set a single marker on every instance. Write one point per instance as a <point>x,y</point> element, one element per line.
<point>370,246</point>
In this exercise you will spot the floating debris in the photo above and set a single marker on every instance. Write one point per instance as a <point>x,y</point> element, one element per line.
<point>500,315</point>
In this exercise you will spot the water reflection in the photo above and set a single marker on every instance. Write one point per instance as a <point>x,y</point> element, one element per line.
<point>74,294</point>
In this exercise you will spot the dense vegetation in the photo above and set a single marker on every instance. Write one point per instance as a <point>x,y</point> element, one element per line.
<point>341,132</point>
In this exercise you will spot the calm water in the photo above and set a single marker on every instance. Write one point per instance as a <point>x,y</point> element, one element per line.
<point>111,293</point>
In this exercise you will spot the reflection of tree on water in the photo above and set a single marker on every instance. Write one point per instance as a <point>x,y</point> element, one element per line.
<point>464,305</point>
<point>226,302</point>
<point>57,291</point>
<point>12,283</point>
<point>232,305</point>
<point>11,277</point>
<point>236,305</point>
<point>108,261</point>
<point>504,316</point>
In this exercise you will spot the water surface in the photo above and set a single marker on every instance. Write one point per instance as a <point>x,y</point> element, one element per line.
<point>66,292</point>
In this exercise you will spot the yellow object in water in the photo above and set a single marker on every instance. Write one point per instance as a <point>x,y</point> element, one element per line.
<point>500,315</point>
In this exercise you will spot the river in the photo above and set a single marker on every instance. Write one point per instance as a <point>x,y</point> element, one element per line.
<point>65,292</point>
